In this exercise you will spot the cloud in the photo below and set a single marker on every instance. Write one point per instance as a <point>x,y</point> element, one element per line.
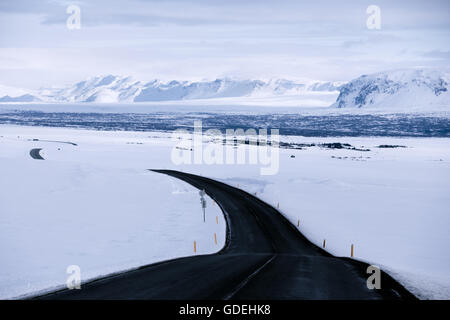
<point>321,39</point>
<point>372,38</point>
<point>436,54</point>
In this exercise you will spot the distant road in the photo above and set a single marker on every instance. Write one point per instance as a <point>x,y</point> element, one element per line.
<point>34,153</point>
<point>265,257</point>
<point>56,141</point>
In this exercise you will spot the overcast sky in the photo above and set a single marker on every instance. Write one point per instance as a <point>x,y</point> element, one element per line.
<point>205,39</point>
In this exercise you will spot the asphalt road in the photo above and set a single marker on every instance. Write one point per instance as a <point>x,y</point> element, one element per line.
<point>34,153</point>
<point>265,257</point>
<point>55,141</point>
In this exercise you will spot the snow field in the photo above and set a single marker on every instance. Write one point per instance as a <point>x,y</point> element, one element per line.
<point>86,205</point>
<point>391,203</point>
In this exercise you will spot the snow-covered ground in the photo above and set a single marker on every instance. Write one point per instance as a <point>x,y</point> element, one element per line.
<point>91,205</point>
<point>95,204</point>
<point>307,104</point>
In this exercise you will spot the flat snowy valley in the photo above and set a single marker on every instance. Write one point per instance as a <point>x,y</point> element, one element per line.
<point>96,205</point>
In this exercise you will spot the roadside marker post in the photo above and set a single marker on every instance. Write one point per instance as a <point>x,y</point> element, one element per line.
<point>324,243</point>
<point>278,205</point>
<point>203,202</point>
<point>195,246</point>
<point>352,250</point>
<point>215,239</point>
<point>217,220</point>
<point>298,223</point>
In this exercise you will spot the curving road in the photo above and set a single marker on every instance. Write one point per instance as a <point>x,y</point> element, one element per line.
<point>34,153</point>
<point>265,257</point>
<point>55,141</point>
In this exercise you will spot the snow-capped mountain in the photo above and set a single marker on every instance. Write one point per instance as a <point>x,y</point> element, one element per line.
<point>326,86</point>
<point>176,90</point>
<point>23,98</point>
<point>391,90</point>
<point>11,94</point>
<point>98,89</point>
<point>399,89</point>
<point>112,88</point>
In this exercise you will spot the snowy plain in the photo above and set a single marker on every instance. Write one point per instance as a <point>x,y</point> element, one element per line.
<point>319,105</point>
<point>90,205</point>
<point>97,205</point>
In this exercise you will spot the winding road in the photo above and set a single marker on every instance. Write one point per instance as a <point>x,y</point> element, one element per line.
<point>265,257</point>
<point>34,153</point>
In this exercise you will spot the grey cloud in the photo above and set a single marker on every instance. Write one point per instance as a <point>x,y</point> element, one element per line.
<point>436,54</point>
<point>372,38</point>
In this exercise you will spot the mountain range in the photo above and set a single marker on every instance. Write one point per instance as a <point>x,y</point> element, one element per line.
<point>111,89</point>
<point>395,89</point>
